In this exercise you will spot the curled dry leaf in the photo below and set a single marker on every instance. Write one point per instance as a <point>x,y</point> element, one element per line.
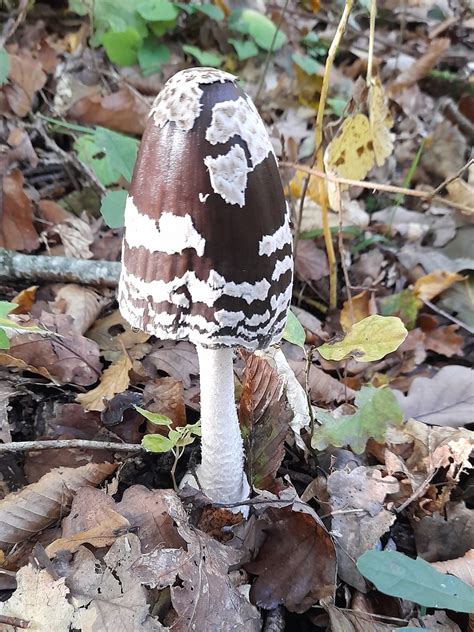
<point>83,304</point>
<point>447,399</point>
<point>114,380</point>
<point>296,565</point>
<point>112,344</point>
<point>17,231</point>
<point>431,285</point>
<point>25,78</point>
<point>201,591</point>
<point>462,567</point>
<point>362,490</point>
<point>69,357</point>
<point>22,514</point>
<point>421,67</point>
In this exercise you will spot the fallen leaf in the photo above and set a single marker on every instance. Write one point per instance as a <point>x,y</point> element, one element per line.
<point>461,567</point>
<point>76,236</point>
<point>263,421</point>
<point>355,309</point>
<point>40,598</point>
<point>178,359</point>
<point>311,263</point>
<point>370,339</point>
<point>444,340</point>
<point>6,392</point>
<point>25,77</point>
<point>380,122</point>
<point>17,231</point>
<point>447,399</point>
<point>165,395</point>
<point>362,490</point>
<point>122,111</point>
<point>296,563</point>
<point>376,410</point>
<point>68,357</point>
<point>107,596</point>
<point>83,304</point>
<point>112,344</point>
<point>431,285</point>
<point>353,620</point>
<point>405,305</point>
<point>459,301</point>
<point>114,380</point>
<point>201,591</point>
<point>421,67</point>
<point>36,506</point>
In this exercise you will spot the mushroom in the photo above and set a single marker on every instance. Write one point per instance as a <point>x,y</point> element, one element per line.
<point>207,251</point>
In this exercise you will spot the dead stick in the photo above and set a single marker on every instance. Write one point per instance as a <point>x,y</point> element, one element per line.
<point>32,268</point>
<point>81,444</point>
<point>15,622</point>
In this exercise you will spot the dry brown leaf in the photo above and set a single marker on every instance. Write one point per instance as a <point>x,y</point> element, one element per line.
<point>25,300</point>
<point>296,565</point>
<point>462,192</point>
<point>353,620</point>
<point>201,591</point>
<point>68,357</point>
<point>83,304</point>
<point>123,111</point>
<point>40,599</point>
<point>25,77</point>
<point>363,490</point>
<point>11,361</point>
<point>24,513</point>
<point>355,309</point>
<point>445,341</point>
<point>178,359</point>
<point>431,285</point>
<point>165,396</point>
<point>380,122</point>
<point>17,231</point>
<point>112,344</point>
<point>76,236</point>
<point>114,380</point>
<point>462,567</point>
<point>421,67</point>
<point>311,262</point>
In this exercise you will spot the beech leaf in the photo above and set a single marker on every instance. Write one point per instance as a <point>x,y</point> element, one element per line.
<point>377,410</point>
<point>114,380</point>
<point>370,339</point>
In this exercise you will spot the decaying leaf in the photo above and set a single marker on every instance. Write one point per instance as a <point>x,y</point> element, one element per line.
<point>296,564</point>
<point>178,359</point>
<point>363,490</point>
<point>355,309</point>
<point>25,513</point>
<point>370,339</point>
<point>114,380</point>
<point>83,304</point>
<point>421,67</point>
<point>17,231</point>
<point>263,421</point>
<point>354,621</point>
<point>431,285</point>
<point>447,399</point>
<point>376,410</point>
<point>26,77</point>
<point>201,591</point>
<point>311,263</point>
<point>462,567</point>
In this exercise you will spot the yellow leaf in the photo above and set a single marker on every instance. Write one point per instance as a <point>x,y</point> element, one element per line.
<point>114,380</point>
<point>380,122</point>
<point>370,339</point>
<point>430,285</point>
<point>360,310</point>
<point>295,187</point>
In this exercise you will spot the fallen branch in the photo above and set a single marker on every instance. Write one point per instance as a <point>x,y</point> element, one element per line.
<point>32,268</point>
<point>80,444</point>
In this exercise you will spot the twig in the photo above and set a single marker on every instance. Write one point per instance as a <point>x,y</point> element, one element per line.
<point>80,444</point>
<point>376,186</point>
<point>323,199</point>
<point>342,254</point>
<point>450,317</point>
<point>370,58</point>
<point>31,268</point>
<point>454,177</point>
<point>270,52</point>
<point>304,191</point>
<point>15,622</point>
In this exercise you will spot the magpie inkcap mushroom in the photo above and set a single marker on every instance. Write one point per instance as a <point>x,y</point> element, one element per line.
<point>207,251</point>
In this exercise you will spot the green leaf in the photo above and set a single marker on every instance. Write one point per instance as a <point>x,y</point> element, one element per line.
<point>120,150</point>
<point>6,308</point>
<point>152,55</point>
<point>213,12</point>
<point>310,39</point>
<point>154,418</point>
<point>294,331</point>
<point>160,28</point>
<point>415,580</point>
<point>122,46</point>
<point>156,443</point>
<point>157,10</point>
<point>306,63</point>
<point>243,49</point>
<point>4,65</point>
<point>337,105</point>
<point>370,339</point>
<point>259,27</point>
<point>4,340</point>
<point>404,304</point>
<point>205,58</point>
<point>112,208</point>
<point>377,410</point>
<point>91,155</point>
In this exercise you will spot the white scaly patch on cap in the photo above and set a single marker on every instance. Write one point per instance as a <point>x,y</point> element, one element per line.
<point>228,174</point>
<point>172,234</point>
<point>282,266</point>
<point>207,291</point>
<point>240,118</point>
<point>275,241</point>
<point>180,99</point>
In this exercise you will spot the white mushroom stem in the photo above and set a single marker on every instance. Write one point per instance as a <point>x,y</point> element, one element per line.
<point>221,473</point>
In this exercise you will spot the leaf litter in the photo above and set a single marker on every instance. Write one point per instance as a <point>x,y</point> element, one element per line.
<point>384,459</point>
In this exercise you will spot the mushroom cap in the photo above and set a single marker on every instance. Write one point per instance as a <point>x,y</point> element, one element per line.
<point>207,251</point>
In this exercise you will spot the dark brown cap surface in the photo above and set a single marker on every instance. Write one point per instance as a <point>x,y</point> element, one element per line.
<point>207,253</point>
